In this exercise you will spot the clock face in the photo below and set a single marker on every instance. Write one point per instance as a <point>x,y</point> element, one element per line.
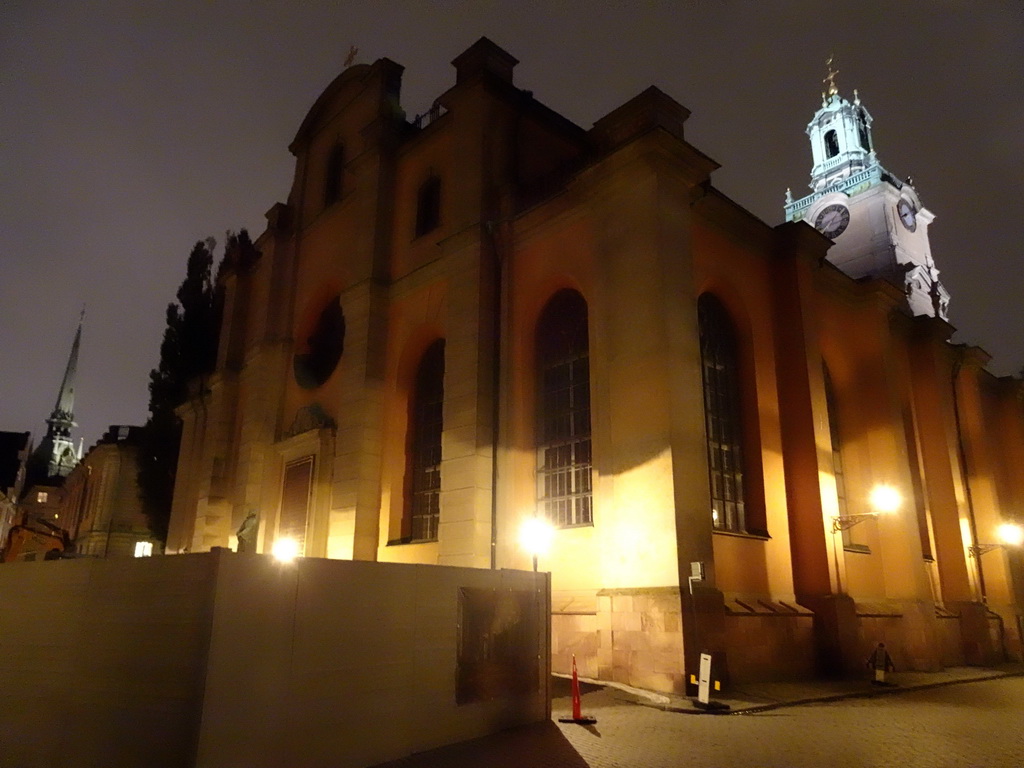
<point>833,220</point>
<point>907,214</point>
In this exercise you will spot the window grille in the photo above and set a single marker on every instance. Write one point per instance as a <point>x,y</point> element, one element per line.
<point>424,454</point>
<point>564,454</point>
<point>722,423</point>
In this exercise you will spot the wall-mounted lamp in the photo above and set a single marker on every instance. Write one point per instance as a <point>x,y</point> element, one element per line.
<point>535,536</point>
<point>1009,534</point>
<point>884,500</point>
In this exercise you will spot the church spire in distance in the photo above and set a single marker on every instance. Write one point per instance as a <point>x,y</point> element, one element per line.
<point>56,455</point>
<point>64,410</point>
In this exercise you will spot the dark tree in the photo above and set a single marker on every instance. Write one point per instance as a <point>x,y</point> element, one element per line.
<point>187,354</point>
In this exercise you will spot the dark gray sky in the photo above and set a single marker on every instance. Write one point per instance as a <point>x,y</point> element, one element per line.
<point>129,130</point>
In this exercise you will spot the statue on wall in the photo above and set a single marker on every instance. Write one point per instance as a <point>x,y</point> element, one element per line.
<point>247,532</point>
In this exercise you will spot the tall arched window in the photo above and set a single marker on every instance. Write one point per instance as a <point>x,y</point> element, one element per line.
<point>428,205</point>
<point>722,414</point>
<point>334,174</point>
<point>838,471</point>
<point>831,144</point>
<point>564,446</point>
<point>423,452</point>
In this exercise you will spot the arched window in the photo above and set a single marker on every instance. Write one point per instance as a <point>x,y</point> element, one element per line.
<point>831,144</point>
<point>838,470</point>
<point>428,205</point>
<point>862,129</point>
<point>563,409</point>
<point>334,175</point>
<point>423,451</point>
<point>722,415</point>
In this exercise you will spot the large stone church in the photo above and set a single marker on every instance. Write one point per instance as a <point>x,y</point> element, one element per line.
<point>751,440</point>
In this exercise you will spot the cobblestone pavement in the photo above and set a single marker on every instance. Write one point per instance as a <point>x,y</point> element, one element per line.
<point>970,724</point>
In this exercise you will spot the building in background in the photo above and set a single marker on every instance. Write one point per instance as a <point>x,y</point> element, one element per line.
<point>101,499</point>
<point>748,439</point>
<point>15,448</point>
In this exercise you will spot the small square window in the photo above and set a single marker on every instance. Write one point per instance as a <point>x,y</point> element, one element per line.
<point>143,548</point>
<point>41,497</point>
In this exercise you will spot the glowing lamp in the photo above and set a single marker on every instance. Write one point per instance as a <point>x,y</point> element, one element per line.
<point>1010,534</point>
<point>535,536</point>
<point>885,499</point>
<point>285,550</point>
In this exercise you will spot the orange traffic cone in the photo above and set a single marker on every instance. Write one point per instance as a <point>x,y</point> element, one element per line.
<point>577,716</point>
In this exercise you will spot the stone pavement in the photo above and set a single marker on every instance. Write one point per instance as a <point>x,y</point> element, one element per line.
<point>759,697</point>
<point>630,735</point>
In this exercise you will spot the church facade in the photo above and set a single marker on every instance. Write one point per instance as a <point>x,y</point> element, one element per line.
<point>748,440</point>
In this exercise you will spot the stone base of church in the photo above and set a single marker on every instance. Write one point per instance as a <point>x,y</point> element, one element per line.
<point>635,637</point>
<point>766,640</point>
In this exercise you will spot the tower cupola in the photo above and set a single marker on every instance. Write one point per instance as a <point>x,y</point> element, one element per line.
<point>840,134</point>
<point>877,223</point>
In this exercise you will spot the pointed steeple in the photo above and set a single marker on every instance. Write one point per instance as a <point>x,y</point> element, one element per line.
<point>56,455</point>
<point>64,410</point>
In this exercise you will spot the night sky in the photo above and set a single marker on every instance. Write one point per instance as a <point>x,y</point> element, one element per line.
<point>129,130</point>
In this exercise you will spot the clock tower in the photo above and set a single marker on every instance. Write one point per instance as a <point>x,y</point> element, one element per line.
<point>877,222</point>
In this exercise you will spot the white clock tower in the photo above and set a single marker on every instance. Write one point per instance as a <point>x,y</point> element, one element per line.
<point>877,222</point>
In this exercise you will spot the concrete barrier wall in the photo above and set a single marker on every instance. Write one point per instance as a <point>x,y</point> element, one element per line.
<point>222,659</point>
<point>345,663</point>
<point>102,662</point>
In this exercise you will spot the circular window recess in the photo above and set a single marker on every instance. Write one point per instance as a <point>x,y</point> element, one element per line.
<point>320,353</point>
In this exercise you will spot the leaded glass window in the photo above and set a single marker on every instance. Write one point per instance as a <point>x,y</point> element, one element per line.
<point>722,421</point>
<point>564,450</point>
<point>424,451</point>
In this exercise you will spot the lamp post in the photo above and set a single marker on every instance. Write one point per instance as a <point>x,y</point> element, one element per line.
<point>1009,535</point>
<point>884,500</point>
<point>535,536</point>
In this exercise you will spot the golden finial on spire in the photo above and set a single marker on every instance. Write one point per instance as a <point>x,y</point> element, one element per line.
<point>830,79</point>
<point>352,51</point>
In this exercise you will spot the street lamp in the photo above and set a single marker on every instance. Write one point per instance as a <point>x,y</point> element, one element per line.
<point>884,500</point>
<point>535,536</point>
<point>1009,534</point>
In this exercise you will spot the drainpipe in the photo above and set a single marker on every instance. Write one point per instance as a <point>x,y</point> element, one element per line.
<point>499,265</point>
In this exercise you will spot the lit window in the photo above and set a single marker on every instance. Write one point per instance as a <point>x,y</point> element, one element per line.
<point>564,450</point>
<point>723,429</point>
<point>143,548</point>
<point>423,458</point>
<point>41,497</point>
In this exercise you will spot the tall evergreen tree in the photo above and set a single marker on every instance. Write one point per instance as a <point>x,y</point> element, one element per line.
<point>188,353</point>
